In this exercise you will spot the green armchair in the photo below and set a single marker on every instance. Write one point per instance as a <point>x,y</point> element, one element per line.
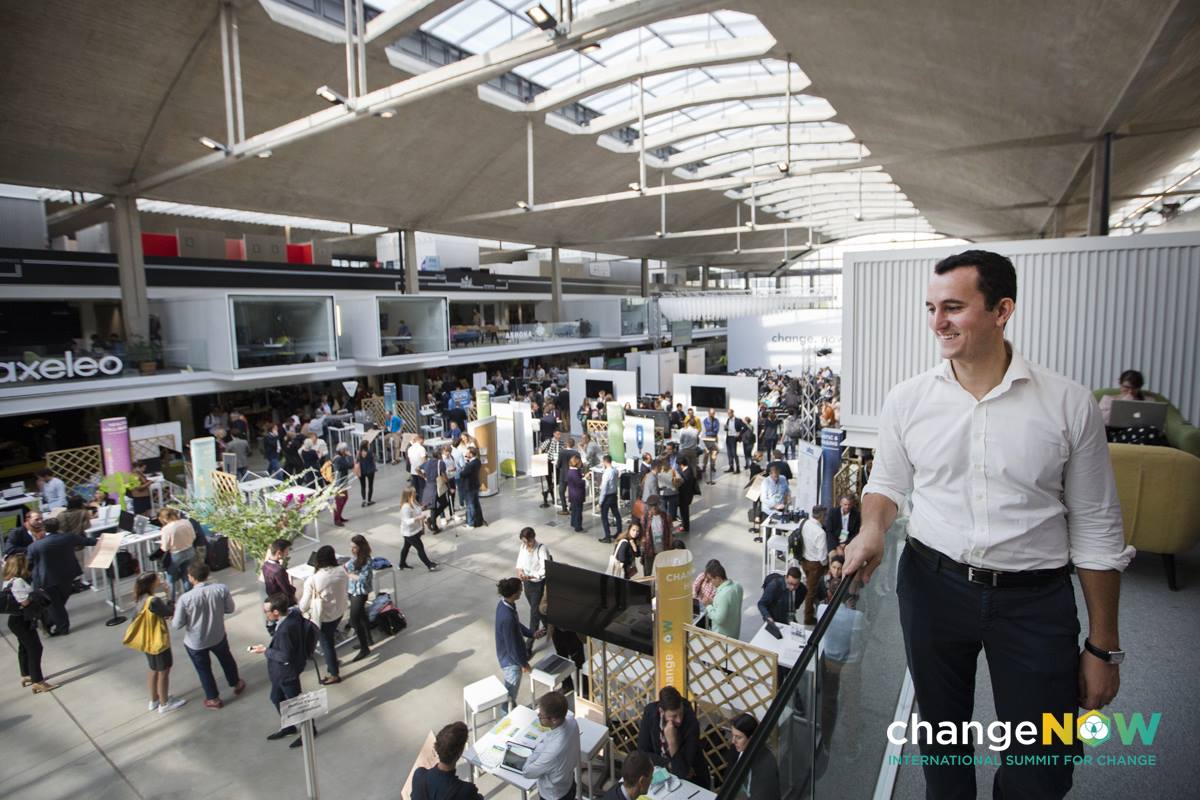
<point>1180,434</point>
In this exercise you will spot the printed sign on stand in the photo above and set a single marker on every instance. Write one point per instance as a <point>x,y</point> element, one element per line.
<point>308,705</point>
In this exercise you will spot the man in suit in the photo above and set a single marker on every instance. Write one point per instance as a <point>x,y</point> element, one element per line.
<point>19,538</point>
<point>565,455</point>
<point>275,577</point>
<point>670,736</point>
<point>292,644</point>
<point>782,596</point>
<point>470,476</point>
<point>636,773</point>
<point>733,432</point>
<point>54,567</point>
<point>842,525</point>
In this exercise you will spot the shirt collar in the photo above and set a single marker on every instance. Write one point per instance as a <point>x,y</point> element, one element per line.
<point>1018,369</point>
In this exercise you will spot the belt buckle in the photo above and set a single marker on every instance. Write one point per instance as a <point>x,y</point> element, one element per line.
<point>986,577</point>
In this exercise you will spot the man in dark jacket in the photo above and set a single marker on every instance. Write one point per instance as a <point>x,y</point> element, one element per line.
<point>565,454</point>
<point>782,595</point>
<point>441,782</point>
<point>469,478</point>
<point>54,567</point>
<point>842,525</point>
<point>670,736</point>
<point>275,577</point>
<point>636,774</point>
<point>292,644</point>
<point>19,538</point>
<point>511,634</point>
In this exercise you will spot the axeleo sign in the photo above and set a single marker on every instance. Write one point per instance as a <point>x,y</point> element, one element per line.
<point>53,369</point>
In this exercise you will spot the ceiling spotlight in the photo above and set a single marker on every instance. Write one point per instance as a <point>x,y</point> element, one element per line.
<point>541,17</point>
<point>635,186</point>
<point>659,234</point>
<point>387,114</point>
<point>325,93</point>
<point>857,217</point>
<point>213,144</point>
<point>784,167</point>
<point>265,154</point>
<point>588,48</point>
<point>521,204</point>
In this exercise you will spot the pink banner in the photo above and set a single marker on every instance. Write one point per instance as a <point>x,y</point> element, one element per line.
<point>114,443</point>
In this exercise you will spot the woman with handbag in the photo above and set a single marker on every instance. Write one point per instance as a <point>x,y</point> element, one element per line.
<point>531,569</point>
<point>23,622</point>
<point>622,563</point>
<point>412,525</point>
<point>153,617</point>
<point>668,490</point>
<point>364,468</point>
<point>656,535</point>
<point>324,600</point>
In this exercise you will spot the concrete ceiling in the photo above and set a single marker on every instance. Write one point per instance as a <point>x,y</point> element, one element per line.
<point>983,117</point>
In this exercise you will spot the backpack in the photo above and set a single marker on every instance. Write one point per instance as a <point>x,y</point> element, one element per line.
<point>217,554</point>
<point>392,620</point>
<point>8,602</point>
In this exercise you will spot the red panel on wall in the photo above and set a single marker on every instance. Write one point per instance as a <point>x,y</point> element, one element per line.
<point>300,253</point>
<point>235,249</point>
<point>160,244</point>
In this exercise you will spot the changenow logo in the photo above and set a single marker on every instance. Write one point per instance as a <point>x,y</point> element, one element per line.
<point>1093,729</point>
<point>52,369</point>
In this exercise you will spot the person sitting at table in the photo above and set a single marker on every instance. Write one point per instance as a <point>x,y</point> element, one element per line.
<point>783,595</point>
<point>54,491</point>
<point>774,496</point>
<point>556,755</point>
<point>762,781</point>
<point>636,774</point>
<point>441,782</point>
<point>670,736</point>
<point>77,518</point>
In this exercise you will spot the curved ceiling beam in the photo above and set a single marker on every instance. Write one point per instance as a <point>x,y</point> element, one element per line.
<point>745,162</point>
<point>817,111</point>
<point>804,148</point>
<point>849,214</point>
<point>817,199</point>
<point>722,92</point>
<point>815,183</point>
<point>803,182</point>
<point>724,51</point>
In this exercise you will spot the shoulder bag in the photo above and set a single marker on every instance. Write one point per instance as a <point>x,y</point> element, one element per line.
<point>148,632</point>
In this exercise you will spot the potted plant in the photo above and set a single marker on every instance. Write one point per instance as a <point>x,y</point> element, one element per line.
<point>145,353</point>
<point>118,484</point>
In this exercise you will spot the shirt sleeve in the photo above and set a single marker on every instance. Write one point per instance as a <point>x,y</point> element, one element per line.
<point>546,755</point>
<point>229,605</point>
<point>1095,529</point>
<point>892,474</point>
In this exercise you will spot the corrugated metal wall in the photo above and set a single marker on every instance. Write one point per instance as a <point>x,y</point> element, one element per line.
<point>1087,308</point>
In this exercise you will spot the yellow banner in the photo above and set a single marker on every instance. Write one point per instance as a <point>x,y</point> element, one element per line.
<point>673,610</point>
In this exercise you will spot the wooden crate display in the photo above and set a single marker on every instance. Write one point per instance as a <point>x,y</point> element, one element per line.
<point>625,693</point>
<point>725,677</point>
<point>80,468</point>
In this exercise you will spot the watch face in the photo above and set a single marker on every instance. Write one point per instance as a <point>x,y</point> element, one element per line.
<point>1116,656</point>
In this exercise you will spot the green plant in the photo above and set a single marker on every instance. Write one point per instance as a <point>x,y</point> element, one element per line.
<point>257,522</point>
<point>119,483</point>
<point>141,349</point>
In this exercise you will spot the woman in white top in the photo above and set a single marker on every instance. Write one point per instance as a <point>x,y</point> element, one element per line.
<point>531,569</point>
<point>325,597</point>
<point>29,645</point>
<point>412,525</point>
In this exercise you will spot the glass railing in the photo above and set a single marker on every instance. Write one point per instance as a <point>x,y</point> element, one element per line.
<point>494,335</point>
<point>284,350</point>
<point>401,344</point>
<point>826,729</point>
<point>33,365</point>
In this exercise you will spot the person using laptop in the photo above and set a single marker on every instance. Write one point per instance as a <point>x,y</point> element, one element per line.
<point>1127,423</point>
<point>556,755</point>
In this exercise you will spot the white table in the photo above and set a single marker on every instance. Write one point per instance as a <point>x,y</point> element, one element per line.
<point>18,503</point>
<point>686,790</point>
<point>140,544</point>
<point>595,475</point>
<point>258,486</point>
<point>788,648</point>
<point>552,677</point>
<point>521,725</point>
<point>771,529</point>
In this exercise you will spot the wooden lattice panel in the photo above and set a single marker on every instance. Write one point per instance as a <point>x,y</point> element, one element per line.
<point>375,410</point>
<point>79,467</point>
<point>849,478</point>
<point>408,413</point>
<point>224,485</point>
<point>622,687</point>
<point>472,413</point>
<point>142,449</point>
<point>598,430</point>
<point>724,678</point>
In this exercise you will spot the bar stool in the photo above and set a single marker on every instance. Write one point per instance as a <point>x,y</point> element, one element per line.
<point>480,696</point>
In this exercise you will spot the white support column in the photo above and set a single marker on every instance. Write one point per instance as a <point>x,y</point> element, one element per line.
<point>348,18</point>
<point>529,160</point>
<point>361,42</point>
<point>645,277</point>
<point>226,74</point>
<point>556,307</point>
<point>408,242</point>
<point>239,105</point>
<point>703,276</point>
<point>131,268</point>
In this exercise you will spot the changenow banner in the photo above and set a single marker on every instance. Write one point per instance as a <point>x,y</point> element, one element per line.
<point>673,610</point>
<point>788,339</point>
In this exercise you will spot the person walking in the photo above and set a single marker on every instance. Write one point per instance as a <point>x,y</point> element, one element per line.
<point>200,612</point>
<point>23,623</point>
<point>813,557</point>
<point>608,498</point>
<point>1006,469</point>
<point>292,644</point>
<point>511,651</point>
<point>324,599</point>
<point>429,491</point>
<point>656,534</point>
<point>448,473</point>
<point>412,525</point>
<point>748,439</point>
<point>576,490</point>
<point>158,679</point>
<point>343,466</point>
<point>551,446</point>
<point>54,568</point>
<point>365,468</point>
<point>531,569</point>
<point>360,573</point>
<point>627,550</point>
<point>689,490</point>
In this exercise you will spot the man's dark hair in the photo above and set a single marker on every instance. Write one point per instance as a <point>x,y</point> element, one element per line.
<point>669,699</point>
<point>715,569</point>
<point>637,766</point>
<point>74,502</point>
<point>277,602</point>
<point>818,513</point>
<point>794,572</point>
<point>450,742</point>
<point>199,570</point>
<point>507,587</point>
<point>553,705</point>
<point>45,472</point>
<point>526,534</point>
<point>279,545</point>
<point>997,277</point>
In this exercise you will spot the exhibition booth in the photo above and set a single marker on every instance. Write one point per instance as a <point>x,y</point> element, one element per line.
<point>621,385</point>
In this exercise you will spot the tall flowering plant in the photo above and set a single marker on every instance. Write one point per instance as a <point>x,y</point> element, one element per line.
<point>257,521</point>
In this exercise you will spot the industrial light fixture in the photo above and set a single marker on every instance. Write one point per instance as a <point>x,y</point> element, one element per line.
<point>659,234</point>
<point>387,113</point>
<point>265,154</point>
<point>634,186</point>
<point>588,48</point>
<point>784,167</point>
<point>213,144</point>
<point>328,94</point>
<point>521,204</point>
<point>541,17</point>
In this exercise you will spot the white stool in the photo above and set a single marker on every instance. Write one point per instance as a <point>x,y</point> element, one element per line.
<point>481,696</point>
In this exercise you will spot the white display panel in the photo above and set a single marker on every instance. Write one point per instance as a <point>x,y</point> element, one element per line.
<point>741,394</point>
<point>694,359</point>
<point>625,389</point>
<point>806,473</point>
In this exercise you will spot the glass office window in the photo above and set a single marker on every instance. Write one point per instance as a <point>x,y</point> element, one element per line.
<point>274,331</point>
<point>410,325</point>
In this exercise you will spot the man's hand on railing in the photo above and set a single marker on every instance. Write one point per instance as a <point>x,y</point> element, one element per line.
<point>864,552</point>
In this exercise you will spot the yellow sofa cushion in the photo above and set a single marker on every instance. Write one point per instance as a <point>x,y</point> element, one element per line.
<point>1159,489</point>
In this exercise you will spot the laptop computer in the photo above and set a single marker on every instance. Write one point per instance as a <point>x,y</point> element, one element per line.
<point>1137,414</point>
<point>13,492</point>
<point>515,756</point>
<point>126,521</point>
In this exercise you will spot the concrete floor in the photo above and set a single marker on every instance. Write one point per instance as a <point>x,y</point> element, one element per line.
<point>94,738</point>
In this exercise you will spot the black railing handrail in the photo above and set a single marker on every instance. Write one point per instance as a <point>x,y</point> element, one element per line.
<point>741,768</point>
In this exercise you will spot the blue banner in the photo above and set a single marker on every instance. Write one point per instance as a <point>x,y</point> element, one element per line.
<point>389,397</point>
<point>831,462</point>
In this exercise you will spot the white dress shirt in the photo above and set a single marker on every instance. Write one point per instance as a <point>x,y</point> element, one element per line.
<point>533,564</point>
<point>1019,480</point>
<point>554,760</point>
<point>416,456</point>
<point>54,494</point>
<point>813,537</point>
<point>608,482</point>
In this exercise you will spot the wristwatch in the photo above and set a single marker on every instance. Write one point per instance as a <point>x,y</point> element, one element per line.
<point>1114,657</point>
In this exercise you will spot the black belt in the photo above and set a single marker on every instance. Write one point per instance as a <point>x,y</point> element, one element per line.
<point>984,577</point>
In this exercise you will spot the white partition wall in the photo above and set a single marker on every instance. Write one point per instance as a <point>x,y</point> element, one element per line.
<point>657,368</point>
<point>741,394</point>
<point>625,389</point>
<point>522,424</point>
<point>1087,308</point>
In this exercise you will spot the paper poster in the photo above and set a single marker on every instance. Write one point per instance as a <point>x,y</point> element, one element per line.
<point>539,465</point>
<point>105,551</point>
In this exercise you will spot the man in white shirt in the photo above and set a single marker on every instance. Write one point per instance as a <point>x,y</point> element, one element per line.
<point>416,457</point>
<point>608,497</point>
<point>556,755</point>
<point>1010,480</point>
<point>54,491</point>
<point>813,557</point>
